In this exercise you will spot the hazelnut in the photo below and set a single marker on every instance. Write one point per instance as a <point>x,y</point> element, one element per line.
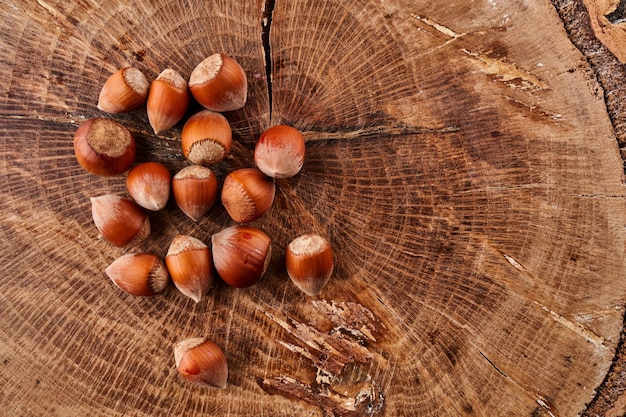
<point>201,362</point>
<point>188,261</point>
<point>168,100</point>
<point>119,220</point>
<point>279,152</point>
<point>125,90</point>
<point>247,194</point>
<point>206,138</point>
<point>219,83</point>
<point>195,190</point>
<point>149,185</point>
<point>241,255</point>
<point>142,274</point>
<point>104,147</point>
<point>309,262</point>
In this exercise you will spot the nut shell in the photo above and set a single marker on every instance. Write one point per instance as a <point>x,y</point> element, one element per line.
<point>241,255</point>
<point>149,185</point>
<point>219,83</point>
<point>104,147</point>
<point>168,100</point>
<point>123,91</point>
<point>189,263</point>
<point>201,362</point>
<point>119,220</point>
<point>142,274</point>
<point>247,194</point>
<point>206,138</point>
<point>309,262</point>
<point>195,190</point>
<point>279,152</point>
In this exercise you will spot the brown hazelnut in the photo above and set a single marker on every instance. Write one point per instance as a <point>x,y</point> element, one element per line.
<point>168,100</point>
<point>149,185</point>
<point>279,152</point>
<point>195,190</point>
<point>125,90</point>
<point>206,138</point>
<point>142,274</point>
<point>119,220</point>
<point>247,194</point>
<point>241,255</point>
<point>188,261</point>
<point>104,147</point>
<point>201,362</point>
<point>219,83</point>
<point>309,261</point>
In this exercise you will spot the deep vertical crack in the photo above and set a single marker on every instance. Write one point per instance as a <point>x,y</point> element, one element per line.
<point>619,14</point>
<point>266,24</point>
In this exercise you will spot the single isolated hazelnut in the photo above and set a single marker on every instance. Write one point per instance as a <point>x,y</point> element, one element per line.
<point>119,220</point>
<point>195,190</point>
<point>279,152</point>
<point>124,91</point>
<point>309,262</point>
<point>188,261</point>
<point>104,147</point>
<point>241,255</point>
<point>206,138</point>
<point>149,185</point>
<point>142,274</point>
<point>247,194</point>
<point>202,362</point>
<point>219,83</point>
<point>168,100</point>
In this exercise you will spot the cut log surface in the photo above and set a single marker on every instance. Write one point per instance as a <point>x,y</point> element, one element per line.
<point>460,160</point>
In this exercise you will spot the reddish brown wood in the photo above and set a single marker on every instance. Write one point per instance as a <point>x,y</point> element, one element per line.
<point>462,159</point>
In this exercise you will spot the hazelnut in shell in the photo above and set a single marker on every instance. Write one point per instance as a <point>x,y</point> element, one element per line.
<point>241,255</point>
<point>104,147</point>
<point>149,185</point>
<point>119,220</point>
<point>206,138</point>
<point>309,261</point>
<point>142,274</point>
<point>247,194</point>
<point>219,83</point>
<point>201,362</point>
<point>123,91</point>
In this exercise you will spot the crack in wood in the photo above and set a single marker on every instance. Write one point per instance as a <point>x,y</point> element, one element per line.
<point>507,72</point>
<point>340,355</point>
<point>266,23</point>
<point>575,327</point>
<point>618,15</point>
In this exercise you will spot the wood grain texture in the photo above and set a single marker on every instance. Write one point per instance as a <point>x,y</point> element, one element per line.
<point>461,162</point>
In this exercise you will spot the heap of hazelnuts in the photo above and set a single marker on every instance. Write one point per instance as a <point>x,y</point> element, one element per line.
<point>239,254</point>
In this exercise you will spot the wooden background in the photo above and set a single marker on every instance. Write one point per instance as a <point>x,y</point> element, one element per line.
<point>463,157</point>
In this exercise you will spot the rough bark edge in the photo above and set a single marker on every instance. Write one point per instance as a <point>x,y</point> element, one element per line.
<point>610,74</point>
